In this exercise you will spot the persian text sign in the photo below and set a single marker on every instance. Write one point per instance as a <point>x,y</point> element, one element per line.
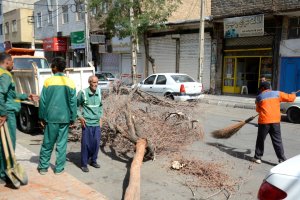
<point>245,26</point>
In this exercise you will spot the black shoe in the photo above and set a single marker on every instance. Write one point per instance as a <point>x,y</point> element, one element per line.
<point>96,165</point>
<point>85,169</point>
<point>280,161</point>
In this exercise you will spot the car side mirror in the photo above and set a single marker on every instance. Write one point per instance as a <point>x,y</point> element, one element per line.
<point>142,82</point>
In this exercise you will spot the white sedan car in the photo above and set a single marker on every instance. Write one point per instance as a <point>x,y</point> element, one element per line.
<point>180,87</point>
<point>282,181</point>
<point>292,110</point>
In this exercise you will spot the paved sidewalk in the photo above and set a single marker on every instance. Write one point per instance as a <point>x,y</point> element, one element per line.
<point>247,102</point>
<point>49,186</point>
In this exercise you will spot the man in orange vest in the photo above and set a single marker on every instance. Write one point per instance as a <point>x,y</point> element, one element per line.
<point>268,107</point>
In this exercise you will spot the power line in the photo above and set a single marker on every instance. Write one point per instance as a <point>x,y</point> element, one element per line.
<point>32,4</point>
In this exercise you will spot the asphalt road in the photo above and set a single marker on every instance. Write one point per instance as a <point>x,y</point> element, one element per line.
<point>158,182</point>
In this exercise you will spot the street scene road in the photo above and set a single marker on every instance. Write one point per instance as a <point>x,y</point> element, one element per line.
<point>159,182</point>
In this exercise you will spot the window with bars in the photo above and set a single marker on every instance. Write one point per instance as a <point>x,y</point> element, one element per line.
<point>6,28</point>
<point>14,27</point>
<point>294,28</point>
<point>50,17</point>
<point>80,11</point>
<point>39,20</point>
<point>65,12</point>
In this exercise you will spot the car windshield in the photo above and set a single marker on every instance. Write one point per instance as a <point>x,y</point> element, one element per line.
<point>26,63</point>
<point>101,77</point>
<point>109,75</point>
<point>182,78</point>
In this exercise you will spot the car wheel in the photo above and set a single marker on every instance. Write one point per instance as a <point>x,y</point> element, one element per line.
<point>169,96</point>
<point>26,122</point>
<point>293,115</point>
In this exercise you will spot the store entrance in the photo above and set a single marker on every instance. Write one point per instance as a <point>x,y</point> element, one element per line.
<point>248,73</point>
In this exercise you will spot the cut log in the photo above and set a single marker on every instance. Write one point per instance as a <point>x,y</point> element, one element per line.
<point>133,189</point>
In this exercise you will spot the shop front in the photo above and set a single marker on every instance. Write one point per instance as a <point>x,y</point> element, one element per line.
<point>54,47</point>
<point>77,52</point>
<point>244,68</point>
<point>247,54</point>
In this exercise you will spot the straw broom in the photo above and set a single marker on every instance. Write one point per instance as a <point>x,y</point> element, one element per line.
<point>229,131</point>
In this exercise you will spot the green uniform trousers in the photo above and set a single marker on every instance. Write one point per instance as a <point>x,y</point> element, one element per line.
<point>54,133</point>
<point>11,123</point>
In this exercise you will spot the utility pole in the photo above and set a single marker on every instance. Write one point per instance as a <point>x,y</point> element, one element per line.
<point>133,45</point>
<point>201,41</point>
<point>87,34</point>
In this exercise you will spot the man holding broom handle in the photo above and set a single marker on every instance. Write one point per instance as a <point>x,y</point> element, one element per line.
<point>268,108</point>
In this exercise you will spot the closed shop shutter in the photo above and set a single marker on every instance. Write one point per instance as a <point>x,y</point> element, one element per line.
<point>111,62</point>
<point>126,68</point>
<point>189,57</point>
<point>163,50</point>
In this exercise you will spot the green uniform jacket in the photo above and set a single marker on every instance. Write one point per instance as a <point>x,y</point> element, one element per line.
<point>9,98</point>
<point>89,106</point>
<point>58,100</point>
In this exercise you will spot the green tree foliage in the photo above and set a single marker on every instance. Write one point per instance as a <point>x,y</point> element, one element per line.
<point>147,14</point>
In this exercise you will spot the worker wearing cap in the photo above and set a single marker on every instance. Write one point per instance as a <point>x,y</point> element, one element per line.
<point>268,107</point>
<point>9,103</point>
<point>57,111</point>
<point>89,113</point>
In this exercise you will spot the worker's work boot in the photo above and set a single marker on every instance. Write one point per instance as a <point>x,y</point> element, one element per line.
<point>96,165</point>
<point>85,169</point>
<point>256,160</point>
<point>43,171</point>
<point>60,172</point>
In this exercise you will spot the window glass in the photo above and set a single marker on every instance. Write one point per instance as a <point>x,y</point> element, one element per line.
<point>150,80</point>
<point>26,63</point>
<point>65,9</point>
<point>39,20</point>
<point>182,78</point>
<point>161,80</point>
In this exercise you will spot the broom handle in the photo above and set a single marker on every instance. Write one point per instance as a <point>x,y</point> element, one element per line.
<point>6,153</point>
<point>12,152</point>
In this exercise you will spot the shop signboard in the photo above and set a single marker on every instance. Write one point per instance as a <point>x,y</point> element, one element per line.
<point>121,45</point>
<point>78,40</point>
<point>245,26</point>
<point>55,44</point>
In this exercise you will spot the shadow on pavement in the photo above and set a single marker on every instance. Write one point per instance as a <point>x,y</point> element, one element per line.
<point>74,157</point>
<point>237,153</point>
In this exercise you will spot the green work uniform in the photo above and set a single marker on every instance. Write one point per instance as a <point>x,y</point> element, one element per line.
<point>89,106</point>
<point>58,108</point>
<point>9,106</point>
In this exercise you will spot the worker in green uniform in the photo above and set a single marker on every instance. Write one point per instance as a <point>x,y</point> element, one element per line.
<point>58,109</point>
<point>9,103</point>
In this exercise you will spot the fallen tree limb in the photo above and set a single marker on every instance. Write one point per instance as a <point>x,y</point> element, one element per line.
<point>133,189</point>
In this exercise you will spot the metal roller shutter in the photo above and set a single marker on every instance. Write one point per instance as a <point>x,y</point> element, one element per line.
<point>163,50</point>
<point>189,55</point>
<point>110,63</point>
<point>126,64</point>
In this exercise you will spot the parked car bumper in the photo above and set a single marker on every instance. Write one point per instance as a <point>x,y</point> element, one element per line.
<point>187,97</point>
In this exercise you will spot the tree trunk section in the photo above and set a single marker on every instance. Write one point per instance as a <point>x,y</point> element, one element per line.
<point>134,186</point>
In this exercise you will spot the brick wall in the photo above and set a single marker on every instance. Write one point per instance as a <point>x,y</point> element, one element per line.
<point>229,8</point>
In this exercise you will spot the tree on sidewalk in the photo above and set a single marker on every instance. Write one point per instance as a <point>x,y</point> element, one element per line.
<point>134,18</point>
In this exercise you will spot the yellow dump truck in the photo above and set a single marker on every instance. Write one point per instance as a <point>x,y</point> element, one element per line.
<point>29,74</point>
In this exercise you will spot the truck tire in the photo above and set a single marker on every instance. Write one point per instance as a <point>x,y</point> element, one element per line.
<point>293,115</point>
<point>26,122</point>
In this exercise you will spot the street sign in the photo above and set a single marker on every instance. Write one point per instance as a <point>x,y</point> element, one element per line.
<point>78,40</point>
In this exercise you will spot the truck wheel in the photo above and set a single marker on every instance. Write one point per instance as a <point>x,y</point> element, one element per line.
<point>293,115</point>
<point>26,121</point>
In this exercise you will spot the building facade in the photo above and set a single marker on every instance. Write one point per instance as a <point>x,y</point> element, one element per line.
<point>17,30</point>
<point>7,6</point>
<point>251,37</point>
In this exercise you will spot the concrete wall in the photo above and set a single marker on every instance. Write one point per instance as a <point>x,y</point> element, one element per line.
<point>24,29</point>
<point>229,8</point>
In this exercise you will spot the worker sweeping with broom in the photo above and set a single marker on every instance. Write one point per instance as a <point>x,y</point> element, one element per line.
<point>268,108</point>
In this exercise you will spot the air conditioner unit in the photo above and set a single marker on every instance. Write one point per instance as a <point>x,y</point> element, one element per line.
<point>97,39</point>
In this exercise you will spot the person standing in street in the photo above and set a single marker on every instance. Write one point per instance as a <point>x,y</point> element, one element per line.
<point>89,112</point>
<point>9,103</point>
<point>268,108</point>
<point>57,111</point>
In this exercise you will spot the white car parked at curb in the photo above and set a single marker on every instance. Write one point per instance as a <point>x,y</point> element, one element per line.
<point>179,87</point>
<point>292,110</point>
<point>282,181</point>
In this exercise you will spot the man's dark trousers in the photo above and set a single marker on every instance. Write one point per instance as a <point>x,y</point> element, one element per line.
<point>275,134</point>
<point>90,143</point>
